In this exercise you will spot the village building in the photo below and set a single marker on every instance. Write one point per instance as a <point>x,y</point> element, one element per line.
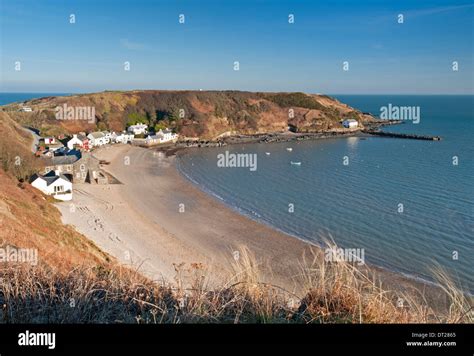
<point>154,139</point>
<point>122,137</point>
<point>54,184</point>
<point>168,135</point>
<point>97,139</point>
<point>161,136</point>
<point>138,129</point>
<point>25,109</point>
<point>108,136</point>
<point>49,141</point>
<point>78,141</point>
<point>61,164</point>
<point>350,123</point>
<point>75,166</point>
<point>52,147</point>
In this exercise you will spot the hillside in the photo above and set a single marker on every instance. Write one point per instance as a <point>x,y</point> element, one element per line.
<point>27,218</point>
<point>203,114</point>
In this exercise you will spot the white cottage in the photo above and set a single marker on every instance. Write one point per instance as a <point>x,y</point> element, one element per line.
<point>77,140</point>
<point>168,135</point>
<point>97,139</point>
<point>138,129</point>
<point>122,137</point>
<point>161,136</point>
<point>350,123</point>
<point>56,185</point>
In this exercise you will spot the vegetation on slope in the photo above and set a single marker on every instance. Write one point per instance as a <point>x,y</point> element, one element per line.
<point>289,100</point>
<point>337,293</point>
<point>15,153</point>
<point>203,114</point>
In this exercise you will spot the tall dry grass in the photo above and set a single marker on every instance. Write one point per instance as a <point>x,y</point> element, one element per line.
<point>336,293</point>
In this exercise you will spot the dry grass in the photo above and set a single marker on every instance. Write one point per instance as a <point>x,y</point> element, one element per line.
<point>337,293</point>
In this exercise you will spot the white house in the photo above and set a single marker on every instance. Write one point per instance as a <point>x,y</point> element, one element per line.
<point>122,137</point>
<point>25,109</point>
<point>78,140</point>
<point>49,141</point>
<point>56,185</point>
<point>161,136</point>
<point>97,139</point>
<point>168,135</point>
<point>138,129</point>
<point>154,139</point>
<point>108,136</point>
<point>350,123</point>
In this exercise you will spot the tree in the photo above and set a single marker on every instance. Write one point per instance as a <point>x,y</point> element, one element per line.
<point>136,118</point>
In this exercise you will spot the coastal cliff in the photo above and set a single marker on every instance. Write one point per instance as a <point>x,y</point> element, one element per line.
<point>193,114</point>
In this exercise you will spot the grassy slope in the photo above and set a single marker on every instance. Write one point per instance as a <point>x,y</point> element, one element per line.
<point>206,114</point>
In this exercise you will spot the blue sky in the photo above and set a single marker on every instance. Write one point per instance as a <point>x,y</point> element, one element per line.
<point>384,56</point>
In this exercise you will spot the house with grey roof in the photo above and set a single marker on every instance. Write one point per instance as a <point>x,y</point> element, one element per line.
<point>54,184</point>
<point>98,139</point>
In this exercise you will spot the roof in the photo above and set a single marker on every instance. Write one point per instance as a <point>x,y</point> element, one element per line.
<point>80,137</point>
<point>155,137</point>
<point>167,131</point>
<point>97,134</point>
<point>350,120</point>
<point>61,160</point>
<point>49,177</point>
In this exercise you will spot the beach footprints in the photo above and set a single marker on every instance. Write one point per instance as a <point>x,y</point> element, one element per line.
<point>114,237</point>
<point>96,224</point>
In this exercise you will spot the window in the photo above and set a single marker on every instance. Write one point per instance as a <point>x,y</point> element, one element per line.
<point>59,188</point>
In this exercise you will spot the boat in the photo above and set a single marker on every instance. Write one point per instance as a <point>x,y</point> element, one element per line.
<point>296,163</point>
<point>267,153</point>
<point>289,149</point>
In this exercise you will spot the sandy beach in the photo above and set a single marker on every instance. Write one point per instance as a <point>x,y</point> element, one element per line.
<point>142,223</point>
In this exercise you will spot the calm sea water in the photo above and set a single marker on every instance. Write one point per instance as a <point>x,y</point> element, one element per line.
<point>8,98</point>
<point>358,204</point>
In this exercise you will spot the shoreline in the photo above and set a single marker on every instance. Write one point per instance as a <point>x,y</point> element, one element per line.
<point>276,137</point>
<point>207,233</point>
<point>382,269</point>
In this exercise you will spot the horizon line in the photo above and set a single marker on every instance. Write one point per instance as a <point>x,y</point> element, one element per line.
<point>250,91</point>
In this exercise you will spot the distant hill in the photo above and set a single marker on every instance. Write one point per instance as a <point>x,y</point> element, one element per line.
<point>194,114</point>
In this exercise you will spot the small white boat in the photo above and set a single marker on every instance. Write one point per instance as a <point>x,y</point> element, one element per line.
<point>296,163</point>
<point>267,153</point>
<point>289,149</point>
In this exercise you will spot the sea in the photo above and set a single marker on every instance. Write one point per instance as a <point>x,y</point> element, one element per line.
<point>409,204</point>
<point>8,98</point>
